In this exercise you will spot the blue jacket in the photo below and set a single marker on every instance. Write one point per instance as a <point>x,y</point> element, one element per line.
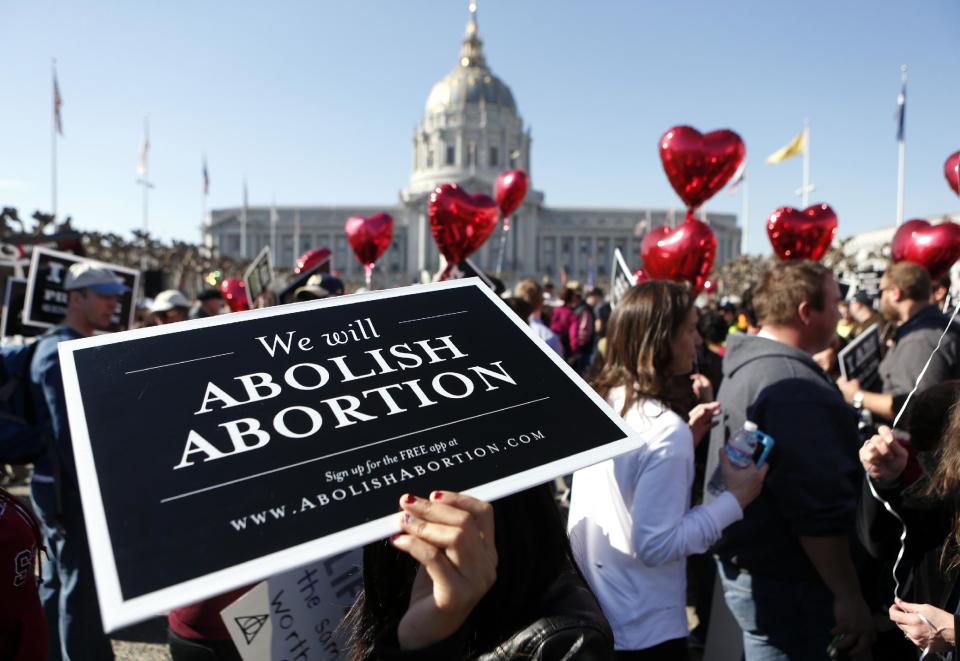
<point>46,385</point>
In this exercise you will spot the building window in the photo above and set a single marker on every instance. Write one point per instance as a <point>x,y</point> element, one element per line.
<point>470,152</point>
<point>451,155</point>
<point>494,157</point>
<point>430,158</point>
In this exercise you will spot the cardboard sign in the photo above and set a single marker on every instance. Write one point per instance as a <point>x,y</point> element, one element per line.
<point>11,320</point>
<point>259,275</point>
<point>621,279</point>
<point>296,615</point>
<point>861,358</point>
<point>216,452</point>
<point>46,299</point>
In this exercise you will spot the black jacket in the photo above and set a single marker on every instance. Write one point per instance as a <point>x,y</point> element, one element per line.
<point>570,626</point>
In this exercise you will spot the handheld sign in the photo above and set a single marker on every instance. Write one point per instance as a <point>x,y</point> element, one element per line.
<point>861,358</point>
<point>263,440</point>
<point>46,299</point>
<point>297,615</point>
<point>621,279</point>
<point>259,275</point>
<point>11,320</point>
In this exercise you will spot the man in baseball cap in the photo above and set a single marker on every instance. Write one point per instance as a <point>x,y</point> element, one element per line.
<point>170,306</point>
<point>320,285</point>
<point>68,592</point>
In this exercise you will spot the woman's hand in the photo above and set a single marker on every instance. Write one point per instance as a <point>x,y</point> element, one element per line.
<point>883,457</point>
<point>451,536</point>
<point>925,625</point>
<point>703,418</point>
<point>702,388</point>
<point>744,483</point>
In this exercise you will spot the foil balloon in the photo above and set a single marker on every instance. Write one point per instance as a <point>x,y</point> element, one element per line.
<point>509,190</point>
<point>951,170</point>
<point>685,253</point>
<point>235,294</point>
<point>698,165</point>
<point>369,237</point>
<point>640,276</point>
<point>803,234</point>
<point>310,260</point>
<point>460,222</point>
<point>934,247</point>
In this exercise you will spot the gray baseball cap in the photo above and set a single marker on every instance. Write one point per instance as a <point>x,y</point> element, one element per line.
<point>86,275</point>
<point>168,300</point>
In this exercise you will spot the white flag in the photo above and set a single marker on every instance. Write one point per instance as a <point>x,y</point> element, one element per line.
<point>144,148</point>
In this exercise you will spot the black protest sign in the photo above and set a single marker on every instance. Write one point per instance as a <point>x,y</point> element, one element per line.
<point>46,298</point>
<point>11,320</point>
<point>620,278</point>
<point>259,441</point>
<point>259,275</point>
<point>861,358</point>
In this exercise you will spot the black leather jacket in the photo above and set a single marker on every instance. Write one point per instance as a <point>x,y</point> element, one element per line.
<point>571,626</point>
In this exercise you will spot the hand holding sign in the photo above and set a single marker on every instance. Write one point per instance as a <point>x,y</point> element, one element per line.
<point>452,537</point>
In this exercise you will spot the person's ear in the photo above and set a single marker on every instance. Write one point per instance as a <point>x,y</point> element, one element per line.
<point>803,312</point>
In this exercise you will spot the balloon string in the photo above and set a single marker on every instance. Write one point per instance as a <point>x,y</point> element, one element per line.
<point>368,273</point>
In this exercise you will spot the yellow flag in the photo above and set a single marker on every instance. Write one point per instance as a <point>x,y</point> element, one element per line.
<point>793,148</point>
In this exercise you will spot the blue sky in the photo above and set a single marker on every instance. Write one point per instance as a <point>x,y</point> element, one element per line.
<point>315,102</point>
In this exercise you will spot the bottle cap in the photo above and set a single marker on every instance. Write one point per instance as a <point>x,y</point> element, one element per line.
<point>750,426</point>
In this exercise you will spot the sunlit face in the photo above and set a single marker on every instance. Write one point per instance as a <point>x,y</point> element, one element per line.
<point>684,344</point>
<point>98,309</point>
<point>888,301</point>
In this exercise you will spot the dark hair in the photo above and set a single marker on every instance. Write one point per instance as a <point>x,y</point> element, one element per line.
<point>532,550</point>
<point>520,307</point>
<point>712,327</point>
<point>912,279</point>
<point>929,415</point>
<point>638,354</point>
<point>784,286</point>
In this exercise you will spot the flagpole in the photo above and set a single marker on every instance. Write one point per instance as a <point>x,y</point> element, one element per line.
<point>805,190</point>
<point>901,149</point>
<point>53,145</point>
<point>273,229</point>
<point>144,179</point>
<point>243,223</point>
<point>745,213</point>
<point>296,235</point>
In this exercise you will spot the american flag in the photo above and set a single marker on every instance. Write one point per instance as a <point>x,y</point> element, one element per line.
<point>901,110</point>
<point>57,103</point>
<point>206,177</point>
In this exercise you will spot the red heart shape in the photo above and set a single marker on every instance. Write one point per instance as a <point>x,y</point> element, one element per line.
<point>685,253</point>
<point>951,170</point>
<point>803,234</point>
<point>460,222</point>
<point>234,292</point>
<point>700,165</point>
<point>509,191</point>
<point>369,237</point>
<point>934,247</point>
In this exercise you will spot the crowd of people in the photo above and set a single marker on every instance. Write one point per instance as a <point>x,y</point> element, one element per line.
<point>804,548</point>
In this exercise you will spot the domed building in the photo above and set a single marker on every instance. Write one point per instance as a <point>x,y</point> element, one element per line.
<point>470,132</point>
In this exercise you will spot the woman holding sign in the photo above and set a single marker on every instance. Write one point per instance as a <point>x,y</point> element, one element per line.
<point>465,579</point>
<point>630,523</point>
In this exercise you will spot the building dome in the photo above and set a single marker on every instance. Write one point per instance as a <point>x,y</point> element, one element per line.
<point>471,82</point>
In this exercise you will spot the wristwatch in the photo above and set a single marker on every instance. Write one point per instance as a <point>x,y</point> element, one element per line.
<point>858,400</point>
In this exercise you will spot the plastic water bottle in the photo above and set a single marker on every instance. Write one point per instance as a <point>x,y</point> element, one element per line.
<point>740,449</point>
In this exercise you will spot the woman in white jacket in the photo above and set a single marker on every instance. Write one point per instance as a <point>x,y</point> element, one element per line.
<point>630,525</point>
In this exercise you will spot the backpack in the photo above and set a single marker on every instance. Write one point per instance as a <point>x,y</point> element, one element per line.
<point>22,440</point>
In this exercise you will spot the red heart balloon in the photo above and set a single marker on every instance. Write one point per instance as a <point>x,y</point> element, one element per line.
<point>802,234</point>
<point>686,252</point>
<point>509,191</point>
<point>460,222</point>
<point>934,247</point>
<point>700,165</point>
<point>640,276</point>
<point>235,294</point>
<point>311,259</point>
<point>369,237</point>
<point>951,170</point>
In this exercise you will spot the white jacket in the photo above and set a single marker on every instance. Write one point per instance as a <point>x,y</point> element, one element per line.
<point>631,527</point>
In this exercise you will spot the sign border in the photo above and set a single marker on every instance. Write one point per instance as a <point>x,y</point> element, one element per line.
<point>5,312</point>
<point>118,612</point>
<point>35,264</point>
<point>265,252</point>
<point>858,340</point>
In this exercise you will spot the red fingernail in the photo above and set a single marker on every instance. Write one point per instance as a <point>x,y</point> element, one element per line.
<point>436,495</point>
<point>409,499</point>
